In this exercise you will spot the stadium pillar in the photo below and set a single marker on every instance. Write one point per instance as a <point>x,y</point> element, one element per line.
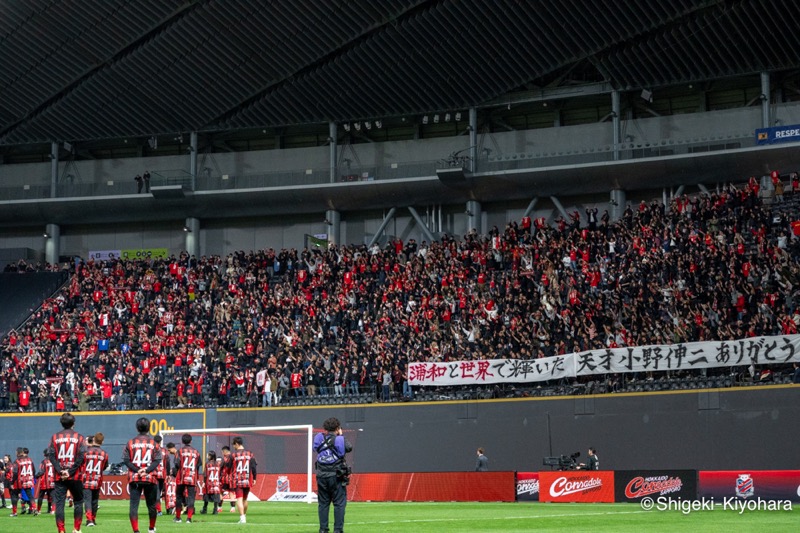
<point>52,243</point>
<point>618,201</point>
<point>53,169</point>
<point>474,216</point>
<point>615,121</point>
<point>334,220</point>
<point>388,218</point>
<point>765,92</point>
<point>192,230</point>
<point>473,139</point>
<point>531,206</point>
<point>422,226</point>
<point>557,203</point>
<point>193,158</point>
<point>332,140</point>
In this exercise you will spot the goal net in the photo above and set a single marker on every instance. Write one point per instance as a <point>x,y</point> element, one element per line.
<point>283,455</point>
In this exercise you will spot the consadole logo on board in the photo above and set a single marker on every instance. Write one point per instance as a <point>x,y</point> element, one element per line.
<point>528,486</point>
<point>563,487</point>
<point>643,486</point>
<point>744,486</point>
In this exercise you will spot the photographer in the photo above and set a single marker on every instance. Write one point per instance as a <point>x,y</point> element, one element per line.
<point>333,474</point>
<point>594,461</point>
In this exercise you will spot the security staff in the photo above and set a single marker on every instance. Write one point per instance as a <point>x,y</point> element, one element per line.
<point>332,474</point>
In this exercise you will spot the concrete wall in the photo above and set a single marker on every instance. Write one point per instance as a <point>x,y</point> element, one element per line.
<point>680,128</point>
<point>220,237</point>
<point>752,428</point>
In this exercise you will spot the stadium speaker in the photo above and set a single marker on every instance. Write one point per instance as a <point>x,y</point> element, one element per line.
<point>451,176</point>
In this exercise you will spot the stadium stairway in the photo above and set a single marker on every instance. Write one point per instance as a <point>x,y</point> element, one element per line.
<point>23,293</point>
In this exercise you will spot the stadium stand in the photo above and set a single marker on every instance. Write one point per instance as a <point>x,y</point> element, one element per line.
<point>194,332</point>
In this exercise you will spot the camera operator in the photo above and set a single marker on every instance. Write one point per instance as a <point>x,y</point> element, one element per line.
<point>594,461</point>
<point>333,474</point>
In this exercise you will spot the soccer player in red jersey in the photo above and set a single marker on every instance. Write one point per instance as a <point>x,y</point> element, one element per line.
<point>243,475</point>
<point>161,475</point>
<point>213,485</point>
<point>170,469</point>
<point>186,478</point>
<point>95,461</point>
<point>65,452</point>
<point>47,480</point>
<point>22,481</point>
<point>225,475</point>
<point>142,455</point>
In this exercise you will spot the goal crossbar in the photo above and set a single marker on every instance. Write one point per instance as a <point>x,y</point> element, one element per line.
<point>252,429</point>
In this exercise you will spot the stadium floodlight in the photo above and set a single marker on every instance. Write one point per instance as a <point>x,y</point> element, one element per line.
<point>447,117</point>
<point>358,126</point>
<point>458,116</point>
<point>647,95</point>
<point>378,124</point>
<point>425,119</point>
<point>282,451</point>
<point>435,119</point>
<point>346,126</point>
<point>368,125</point>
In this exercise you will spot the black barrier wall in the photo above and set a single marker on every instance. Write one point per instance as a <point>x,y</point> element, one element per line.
<point>34,430</point>
<point>699,430</point>
<point>754,428</point>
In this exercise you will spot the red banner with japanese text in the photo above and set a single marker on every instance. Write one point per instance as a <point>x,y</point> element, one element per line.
<point>655,358</point>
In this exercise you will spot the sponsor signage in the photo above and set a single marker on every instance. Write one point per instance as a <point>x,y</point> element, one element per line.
<point>104,255</point>
<point>145,253</point>
<point>116,488</point>
<point>633,485</point>
<point>778,134</point>
<point>527,486</point>
<point>129,254</point>
<point>590,486</point>
<point>746,484</point>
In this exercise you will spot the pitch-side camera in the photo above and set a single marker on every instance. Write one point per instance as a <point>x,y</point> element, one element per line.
<point>563,462</point>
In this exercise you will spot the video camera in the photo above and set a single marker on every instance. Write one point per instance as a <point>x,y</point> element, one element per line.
<point>563,462</point>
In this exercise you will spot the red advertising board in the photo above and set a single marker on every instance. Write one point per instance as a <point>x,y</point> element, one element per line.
<point>761,484</point>
<point>433,487</point>
<point>576,486</point>
<point>400,487</point>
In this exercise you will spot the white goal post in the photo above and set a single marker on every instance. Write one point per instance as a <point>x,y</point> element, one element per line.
<point>220,434</point>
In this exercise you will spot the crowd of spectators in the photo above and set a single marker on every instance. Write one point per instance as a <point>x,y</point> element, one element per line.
<point>189,331</point>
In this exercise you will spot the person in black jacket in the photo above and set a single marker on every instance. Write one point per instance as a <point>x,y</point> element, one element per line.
<point>594,461</point>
